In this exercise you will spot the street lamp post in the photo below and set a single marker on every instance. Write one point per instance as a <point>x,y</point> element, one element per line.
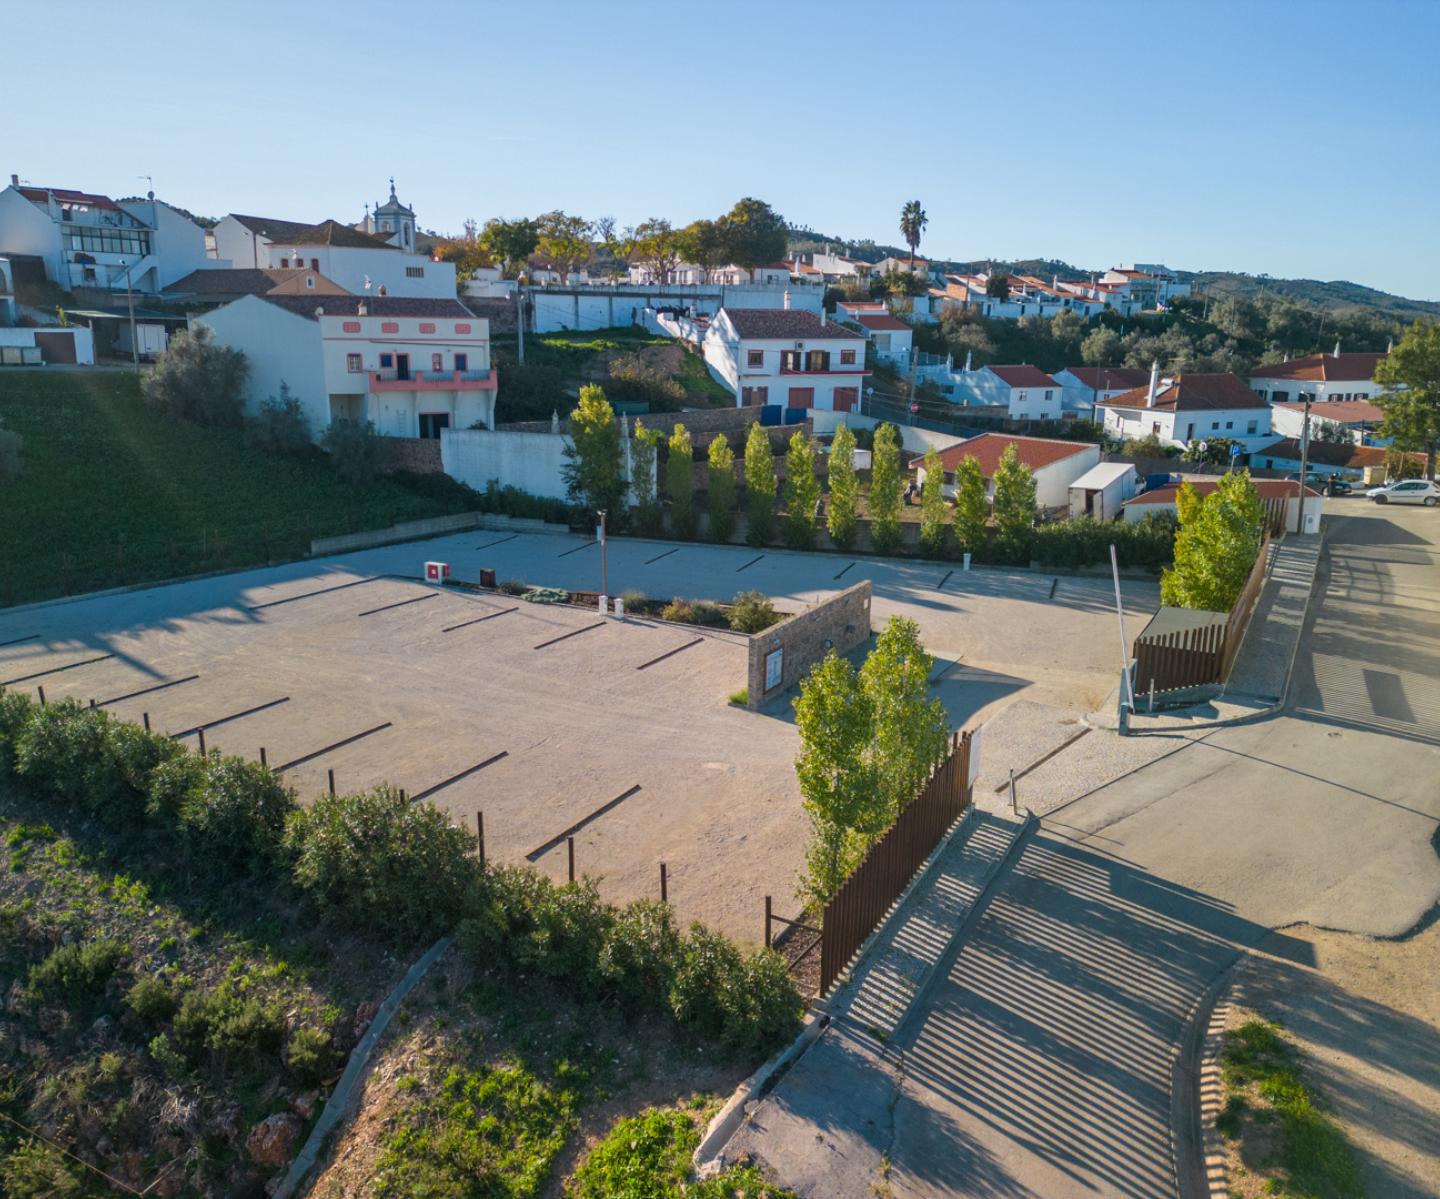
<point>130,305</point>
<point>1304,462</point>
<point>604,577</point>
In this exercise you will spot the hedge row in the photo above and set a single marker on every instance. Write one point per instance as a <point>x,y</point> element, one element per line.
<point>1148,543</point>
<point>379,865</point>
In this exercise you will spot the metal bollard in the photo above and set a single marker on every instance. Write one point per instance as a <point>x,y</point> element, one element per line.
<point>202,741</point>
<point>480,834</point>
<point>570,845</point>
<point>664,889</point>
<point>767,921</point>
<point>330,777</point>
<point>263,762</point>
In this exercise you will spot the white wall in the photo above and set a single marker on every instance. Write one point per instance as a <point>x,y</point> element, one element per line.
<point>1052,483</point>
<point>607,307</point>
<point>419,337</point>
<point>1280,391</point>
<point>530,461</point>
<point>1109,501</point>
<point>279,346</point>
<point>912,438</point>
<point>235,242</point>
<point>84,340</point>
<point>350,266</point>
<point>179,243</point>
<point>25,229</point>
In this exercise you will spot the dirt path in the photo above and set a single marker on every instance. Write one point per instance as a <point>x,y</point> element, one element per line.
<point>1366,1014</point>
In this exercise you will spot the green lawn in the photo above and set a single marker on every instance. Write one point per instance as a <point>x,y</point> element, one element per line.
<point>112,493</point>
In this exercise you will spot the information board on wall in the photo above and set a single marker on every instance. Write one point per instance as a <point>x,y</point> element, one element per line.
<point>774,663</point>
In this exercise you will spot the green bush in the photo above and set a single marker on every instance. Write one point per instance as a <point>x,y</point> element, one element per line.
<point>752,612</point>
<point>15,709</point>
<point>171,784</point>
<point>64,750</point>
<point>557,931</point>
<point>638,956</point>
<point>679,610</point>
<point>224,1027</point>
<point>36,1171</point>
<point>281,426</point>
<point>512,587</point>
<point>310,1055</point>
<point>379,863</point>
<point>150,1000</point>
<point>1148,543</point>
<point>137,753</point>
<point>749,1004</point>
<point>646,1156</point>
<point>73,975</point>
<point>235,817</point>
<point>354,447</point>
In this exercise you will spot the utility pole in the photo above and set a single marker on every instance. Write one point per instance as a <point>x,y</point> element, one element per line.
<point>130,304</point>
<point>1304,461</point>
<point>604,572</point>
<point>520,315</point>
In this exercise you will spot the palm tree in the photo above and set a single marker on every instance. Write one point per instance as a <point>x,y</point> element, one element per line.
<point>912,226</point>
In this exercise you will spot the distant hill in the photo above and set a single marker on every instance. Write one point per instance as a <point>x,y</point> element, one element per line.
<point>1335,295</point>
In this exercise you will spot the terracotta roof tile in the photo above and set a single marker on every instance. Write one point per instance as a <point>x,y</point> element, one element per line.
<point>1192,393</point>
<point>1323,368</point>
<point>375,305</point>
<point>1326,453</point>
<point>1111,378</point>
<point>776,323</point>
<point>1035,452</point>
<point>1024,375</point>
<point>1267,489</point>
<point>881,322</point>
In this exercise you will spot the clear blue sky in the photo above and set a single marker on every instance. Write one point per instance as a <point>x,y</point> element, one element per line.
<point>1294,139</point>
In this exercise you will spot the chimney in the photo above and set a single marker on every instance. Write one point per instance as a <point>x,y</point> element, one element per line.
<point>14,180</point>
<point>822,316</point>
<point>363,309</point>
<point>969,354</point>
<point>787,299</point>
<point>1154,383</point>
<point>1337,347</point>
<point>1390,348</point>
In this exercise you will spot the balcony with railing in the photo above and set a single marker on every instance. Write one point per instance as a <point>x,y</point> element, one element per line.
<point>416,380</point>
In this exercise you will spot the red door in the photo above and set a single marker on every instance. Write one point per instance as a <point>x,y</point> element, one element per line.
<point>845,398</point>
<point>802,397</point>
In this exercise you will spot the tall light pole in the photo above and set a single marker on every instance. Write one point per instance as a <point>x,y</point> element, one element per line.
<point>130,304</point>
<point>604,575</point>
<point>1304,461</point>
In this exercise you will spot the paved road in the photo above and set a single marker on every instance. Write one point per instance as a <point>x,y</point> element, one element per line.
<point>1040,1063</point>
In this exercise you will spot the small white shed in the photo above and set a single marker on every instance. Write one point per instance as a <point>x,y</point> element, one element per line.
<point>1103,489</point>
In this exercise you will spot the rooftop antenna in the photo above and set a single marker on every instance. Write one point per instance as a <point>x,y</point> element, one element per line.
<point>149,179</point>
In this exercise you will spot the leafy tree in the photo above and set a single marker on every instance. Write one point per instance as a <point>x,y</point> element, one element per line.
<point>1101,348</point>
<point>648,517</point>
<point>844,489</point>
<point>1216,451</point>
<point>657,246</point>
<point>594,460</point>
<point>802,492</point>
<point>704,244</point>
<point>885,490</point>
<point>752,233</point>
<point>902,283</point>
<point>633,378</point>
<point>834,718</point>
<point>510,243</point>
<point>760,486</point>
<point>198,379</point>
<point>1216,545</point>
<point>932,505</point>
<point>354,448</point>
<point>466,253</point>
<point>911,729</point>
<point>281,426</point>
<point>972,511</point>
<point>997,287</point>
<point>1331,433</point>
<point>618,245</point>
<point>912,226</point>
<point>680,481</point>
<point>1412,414</point>
<point>721,489</point>
<point>1014,505</point>
<point>565,240</point>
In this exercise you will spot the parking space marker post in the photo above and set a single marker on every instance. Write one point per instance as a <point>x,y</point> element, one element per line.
<point>480,834</point>
<point>202,741</point>
<point>664,891</point>
<point>263,763</point>
<point>330,776</point>
<point>41,690</point>
<point>570,844</point>
<point>767,922</point>
<point>146,717</point>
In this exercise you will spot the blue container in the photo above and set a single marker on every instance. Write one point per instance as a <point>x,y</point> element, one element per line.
<point>795,416</point>
<point>770,414</point>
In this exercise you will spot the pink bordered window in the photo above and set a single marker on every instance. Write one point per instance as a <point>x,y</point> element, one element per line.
<point>389,327</point>
<point>426,327</point>
<point>462,328</point>
<point>352,326</point>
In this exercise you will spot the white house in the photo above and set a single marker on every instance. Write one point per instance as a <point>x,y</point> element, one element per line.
<point>1024,392</point>
<point>355,260</point>
<point>1146,285</point>
<point>891,337</point>
<point>887,266</point>
<point>1325,378</point>
<point>1271,492</point>
<point>214,287</point>
<point>1083,387</point>
<point>1358,419</point>
<point>1055,464</point>
<point>786,356</point>
<point>411,365</point>
<point>837,268</point>
<point>91,241</point>
<point>1101,491</point>
<point>8,309</point>
<point>1344,460</point>
<point>1189,408</point>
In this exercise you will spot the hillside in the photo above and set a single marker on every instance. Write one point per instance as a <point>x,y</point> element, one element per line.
<point>110,492</point>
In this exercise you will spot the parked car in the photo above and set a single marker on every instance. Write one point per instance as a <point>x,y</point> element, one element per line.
<point>1407,491</point>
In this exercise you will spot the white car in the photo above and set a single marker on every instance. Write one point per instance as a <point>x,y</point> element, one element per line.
<point>1407,491</point>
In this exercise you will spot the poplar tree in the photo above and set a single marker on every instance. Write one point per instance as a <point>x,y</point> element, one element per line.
<point>759,486</point>
<point>722,489</point>
<point>680,482</point>
<point>1216,544</point>
<point>802,492</point>
<point>932,505</point>
<point>972,511</point>
<point>1014,506</point>
<point>885,490</point>
<point>844,489</point>
<point>910,730</point>
<point>594,471</point>
<point>648,519</point>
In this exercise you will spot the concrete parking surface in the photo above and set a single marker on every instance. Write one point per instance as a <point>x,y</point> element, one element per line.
<point>546,718</point>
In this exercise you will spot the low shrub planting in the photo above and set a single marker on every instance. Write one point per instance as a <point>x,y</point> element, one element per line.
<point>73,975</point>
<point>151,1000</point>
<point>512,587</point>
<point>752,612</point>
<point>225,1029</point>
<point>1148,543</point>
<point>310,1055</point>
<point>700,612</point>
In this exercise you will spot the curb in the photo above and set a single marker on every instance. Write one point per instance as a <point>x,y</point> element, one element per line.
<point>355,1071</point>
<point>1197,1151</point>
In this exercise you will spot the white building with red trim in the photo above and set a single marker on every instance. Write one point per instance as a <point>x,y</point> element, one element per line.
<point>1325,378</point>
<point>412,366</point>
<point>786,356</point>
<point>1055,464</point>
<point>1023,392</point>
<point>1188,408</point>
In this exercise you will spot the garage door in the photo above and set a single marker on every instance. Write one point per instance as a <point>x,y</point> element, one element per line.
<point>845,398</point>
<point>56,347</point>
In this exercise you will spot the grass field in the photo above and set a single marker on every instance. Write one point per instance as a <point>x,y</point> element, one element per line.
<point>112,493</point>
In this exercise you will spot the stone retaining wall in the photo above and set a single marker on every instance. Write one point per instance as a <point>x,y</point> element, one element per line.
<point>841,622</point>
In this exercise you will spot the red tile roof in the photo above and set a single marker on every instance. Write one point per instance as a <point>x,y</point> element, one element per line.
<point>1323,368</point>
<point>1325,453</point>
<point>1035,452</point>
<point>777,323</point>
<point>1267,489</point>
<point>65,195</point>
<point>1111,378</point>
<point>1022,376</point>
<point>881,321</point>
<point>1192,393</point>
<point>1345,411</point>
<point>374,305</point>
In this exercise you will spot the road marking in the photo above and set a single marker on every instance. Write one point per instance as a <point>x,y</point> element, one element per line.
<point>416,600</point>
<point>542,850</point>
<point>843,571</point>
<point>338,745</point>
<point>465,624</point>
<point>18,640</point>
<point>290,599</point>
<point>657,557</point>
<point>940,586</point>
<point>577,549</point>
<point>501,541</point>
<point>40,674</point>
<point>189,678</point>
<point>747,565</point>
<point>571,633</point>
<point>669,653</point>
<point>274,703</point>
<point>455,778</point>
